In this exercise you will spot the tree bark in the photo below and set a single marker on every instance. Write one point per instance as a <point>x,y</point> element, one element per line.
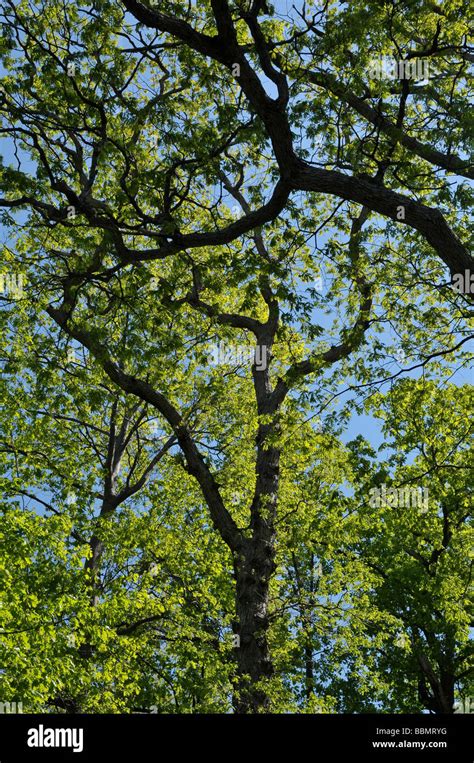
<point>253,573</point>
<point>439,697</point>
<point>254,568</point>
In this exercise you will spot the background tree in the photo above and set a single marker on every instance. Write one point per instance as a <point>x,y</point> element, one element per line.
<point>421,551</point>
<point>402,563</point>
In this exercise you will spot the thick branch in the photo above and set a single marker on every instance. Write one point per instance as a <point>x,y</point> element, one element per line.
<point>426,220</point>
<point>449,162</point>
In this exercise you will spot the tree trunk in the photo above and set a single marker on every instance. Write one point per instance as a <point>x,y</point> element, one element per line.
<point>253,574</point>
<point>309,670</point>
<point>254,567</point>
<point>439,697</point>
<point>446,698</point>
